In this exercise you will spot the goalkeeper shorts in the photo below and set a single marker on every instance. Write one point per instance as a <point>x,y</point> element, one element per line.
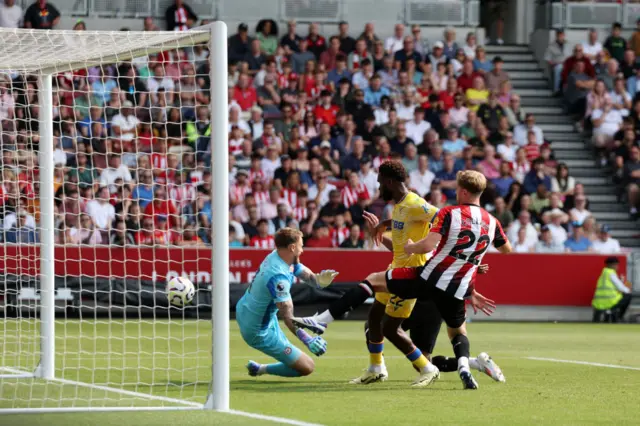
<point>274,342</point>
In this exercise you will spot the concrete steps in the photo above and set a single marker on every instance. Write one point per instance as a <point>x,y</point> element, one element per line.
<point>569,147</point>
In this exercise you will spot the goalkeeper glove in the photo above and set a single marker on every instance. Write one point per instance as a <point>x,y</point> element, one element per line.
<point>316,345</point>
<point>326,277</point>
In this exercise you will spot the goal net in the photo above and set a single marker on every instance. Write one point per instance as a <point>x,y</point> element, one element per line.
<point>114,146</point>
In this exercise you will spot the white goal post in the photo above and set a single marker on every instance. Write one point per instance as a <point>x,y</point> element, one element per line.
<point>142,375</point>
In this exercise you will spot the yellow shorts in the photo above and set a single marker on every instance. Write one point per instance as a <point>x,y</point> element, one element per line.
<point>395,306</point>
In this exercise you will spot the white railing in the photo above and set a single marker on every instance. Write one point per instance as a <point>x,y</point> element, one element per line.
<point>422,12</point>
<point>590,14</point>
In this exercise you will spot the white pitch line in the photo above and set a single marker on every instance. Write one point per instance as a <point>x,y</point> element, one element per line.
<point>186,404</point>
<point>274,419</point>
<point>592,364</point>
<point>115,390</point>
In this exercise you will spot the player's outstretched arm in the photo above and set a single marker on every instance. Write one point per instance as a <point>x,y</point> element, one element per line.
<point>285,309</point>
<point>317,345</point>
<point>320,280</point>
<point>423,246</point>
<point>505,248</point>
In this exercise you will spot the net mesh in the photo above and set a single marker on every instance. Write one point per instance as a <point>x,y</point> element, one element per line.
<point>132,210</point>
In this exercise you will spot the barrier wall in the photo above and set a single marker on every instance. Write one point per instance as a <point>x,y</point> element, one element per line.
<point>514,279</point>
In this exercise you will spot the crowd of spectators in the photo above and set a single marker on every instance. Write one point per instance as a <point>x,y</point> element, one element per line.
<point>311,118</point>
<point>598,80</point>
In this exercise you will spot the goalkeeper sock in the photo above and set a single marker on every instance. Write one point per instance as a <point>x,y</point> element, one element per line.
<point>375,353</point>
<point>445,364</point>
<point>351,299</point>
<point>282,370</point>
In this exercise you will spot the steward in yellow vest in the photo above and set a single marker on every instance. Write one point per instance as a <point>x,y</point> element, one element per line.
<point>612,296</point>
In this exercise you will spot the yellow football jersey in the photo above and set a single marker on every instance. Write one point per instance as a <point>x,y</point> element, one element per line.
<point>411,219</point>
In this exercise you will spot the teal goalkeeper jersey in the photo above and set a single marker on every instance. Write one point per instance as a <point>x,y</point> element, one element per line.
<point>256,311</point>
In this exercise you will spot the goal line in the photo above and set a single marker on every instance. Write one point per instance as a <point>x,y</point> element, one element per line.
<point>184,405</point>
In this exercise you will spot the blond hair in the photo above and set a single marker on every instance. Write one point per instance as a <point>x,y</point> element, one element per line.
<point>287,236</point>
<point>472,181</point>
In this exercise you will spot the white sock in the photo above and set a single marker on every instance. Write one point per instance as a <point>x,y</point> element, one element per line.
<point>324,317</point>
<point>262,370</point>
<point>375,368</point>
<point>473,363</point>
<point>429,368</point>
<point>463,364</point>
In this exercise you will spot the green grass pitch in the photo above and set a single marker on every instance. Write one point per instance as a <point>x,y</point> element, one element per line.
<point>536,392</point>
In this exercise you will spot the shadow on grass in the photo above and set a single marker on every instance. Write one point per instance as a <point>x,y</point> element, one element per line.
<point>289,386</point>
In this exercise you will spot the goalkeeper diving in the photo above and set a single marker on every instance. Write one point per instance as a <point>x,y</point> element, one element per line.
<point>268,294</point>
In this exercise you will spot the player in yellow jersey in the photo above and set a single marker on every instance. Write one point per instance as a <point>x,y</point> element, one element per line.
<point>411,219</point>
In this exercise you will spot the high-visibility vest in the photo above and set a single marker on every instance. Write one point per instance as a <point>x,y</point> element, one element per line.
<point>192,132</point>
<point>606,295</point>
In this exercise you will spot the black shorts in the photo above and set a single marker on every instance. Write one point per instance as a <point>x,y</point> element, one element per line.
<point>424,325</point>
<point>407,284</point>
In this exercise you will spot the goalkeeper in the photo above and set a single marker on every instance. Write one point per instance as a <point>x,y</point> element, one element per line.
<point>268,293</point>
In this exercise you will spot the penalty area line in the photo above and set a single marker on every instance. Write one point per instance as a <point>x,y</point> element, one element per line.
<point>281,420</point>
<point>592,364</point>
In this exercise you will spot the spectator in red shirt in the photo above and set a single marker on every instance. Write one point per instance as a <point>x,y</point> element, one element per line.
<point>245,94</point>
<point>447,97</point>
<point>328,57</point>
<point>465,81</point>
<point>325,112</point>
<point>317,43</point>
<point>317,86</point>
<point>532,148</point>
<point>339,232</point>
<point>161,209</point>
<point>149,236</point>
<point>570,62</point>
<point>320,237</point>
<point>263,240</point>
<point>353,190</point>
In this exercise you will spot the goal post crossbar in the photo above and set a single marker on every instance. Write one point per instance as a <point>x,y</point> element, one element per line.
<point>73,50</point>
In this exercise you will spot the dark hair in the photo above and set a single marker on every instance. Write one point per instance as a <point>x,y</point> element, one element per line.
<point>365,62</point>
<point>393,170</point>
<point>261,221</point>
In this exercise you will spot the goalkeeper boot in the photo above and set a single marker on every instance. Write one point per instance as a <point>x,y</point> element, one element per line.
<point>490,368</point>
<point>371,375</point>
<point>311,324</point>
<point>253,368</point>
<point>468,382</point>
<point>426,378</point>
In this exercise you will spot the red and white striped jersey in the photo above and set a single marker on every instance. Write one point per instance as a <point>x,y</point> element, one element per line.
<point>290,196</point>
<point>378,160</point>
<point>235,146</point>
<point>267,242</point>
<point>300,213</point>
<point>261,197</point>
<point>350,195</point>
<point>257,175</point>
<point>467,232</point>
<point>182,195</point>
<point>181,17</point>
<point>159,160</point>
<point>339,235</point>
<point>237,192</point>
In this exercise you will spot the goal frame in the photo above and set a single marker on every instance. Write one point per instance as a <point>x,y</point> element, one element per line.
<point>218,398</point>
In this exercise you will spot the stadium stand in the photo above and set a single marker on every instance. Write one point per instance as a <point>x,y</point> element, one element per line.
<point>313,114</point>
